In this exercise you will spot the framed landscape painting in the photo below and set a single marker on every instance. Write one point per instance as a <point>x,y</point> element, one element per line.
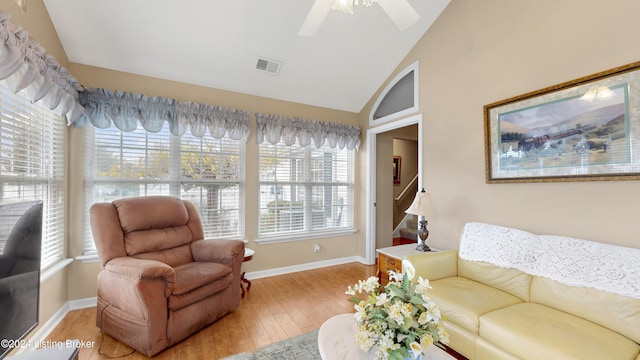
<point>586,129</point>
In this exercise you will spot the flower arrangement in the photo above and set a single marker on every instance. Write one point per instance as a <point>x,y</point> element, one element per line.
<point>399,318</point>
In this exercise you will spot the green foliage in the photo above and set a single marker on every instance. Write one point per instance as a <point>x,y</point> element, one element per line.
<point>511,136</point>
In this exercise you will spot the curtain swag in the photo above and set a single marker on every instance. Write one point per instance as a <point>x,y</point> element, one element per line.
<point>25,65</point>
<point>276,128</point>
<point>126,109</point>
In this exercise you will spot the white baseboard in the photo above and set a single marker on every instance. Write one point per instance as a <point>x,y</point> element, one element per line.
<point>43,331</point>
<point>302,267</point>
<point>83,303</point>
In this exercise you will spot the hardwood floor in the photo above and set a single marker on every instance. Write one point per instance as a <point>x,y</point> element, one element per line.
<point>276,308</point>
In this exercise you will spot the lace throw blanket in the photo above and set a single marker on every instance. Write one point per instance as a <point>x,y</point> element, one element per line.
<point>575,262</point>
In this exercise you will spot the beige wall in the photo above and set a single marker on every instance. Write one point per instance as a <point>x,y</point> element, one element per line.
<point>480,52</point>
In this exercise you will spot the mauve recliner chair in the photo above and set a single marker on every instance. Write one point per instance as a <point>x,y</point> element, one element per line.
<point>161,281</point>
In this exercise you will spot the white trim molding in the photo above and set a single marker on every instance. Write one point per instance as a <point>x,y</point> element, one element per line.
<point>370,231</point>
<point>303,267</point>
<point>54,269</point>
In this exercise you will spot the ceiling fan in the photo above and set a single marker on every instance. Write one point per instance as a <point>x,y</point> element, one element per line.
<point>400,11</point>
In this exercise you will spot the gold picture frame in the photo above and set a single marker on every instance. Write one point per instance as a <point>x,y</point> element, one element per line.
<point>397,169</point>
<point>587,129</point>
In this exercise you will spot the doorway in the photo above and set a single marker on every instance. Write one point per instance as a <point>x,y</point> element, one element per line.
<point>372,182</point>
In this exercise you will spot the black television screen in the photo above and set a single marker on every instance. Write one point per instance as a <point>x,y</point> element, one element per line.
<point>20,244</point>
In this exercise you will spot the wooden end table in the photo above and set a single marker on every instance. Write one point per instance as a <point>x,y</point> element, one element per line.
<point>390,258</point>
<point>248,255</point>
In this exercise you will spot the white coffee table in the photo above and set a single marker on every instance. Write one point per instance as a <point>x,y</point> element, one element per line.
<point>336,341</point>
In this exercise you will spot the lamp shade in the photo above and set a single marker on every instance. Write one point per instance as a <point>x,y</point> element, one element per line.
<point>421,205</point>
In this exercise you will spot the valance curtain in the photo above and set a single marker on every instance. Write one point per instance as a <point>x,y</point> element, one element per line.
<point>125,109</point>
<point>289,130</point>
<point>25,65</point>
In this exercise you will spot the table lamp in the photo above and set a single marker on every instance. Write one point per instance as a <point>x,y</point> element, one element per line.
<point>421,206</point>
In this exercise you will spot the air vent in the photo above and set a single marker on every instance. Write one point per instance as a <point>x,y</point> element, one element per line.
<point>270,66</point>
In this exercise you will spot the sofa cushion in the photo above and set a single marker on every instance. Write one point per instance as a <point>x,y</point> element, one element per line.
<point>510,280</point>
<point>463,301</point>
<point>617,312</point>
<point>532,331</point>
<point>198,280</point>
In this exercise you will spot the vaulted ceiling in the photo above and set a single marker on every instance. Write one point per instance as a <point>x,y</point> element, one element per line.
<point>217,43</point>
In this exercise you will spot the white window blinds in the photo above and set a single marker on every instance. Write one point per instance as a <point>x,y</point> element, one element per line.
<point>207,171</point>
<point>32,163</point>
<point>305,189</point>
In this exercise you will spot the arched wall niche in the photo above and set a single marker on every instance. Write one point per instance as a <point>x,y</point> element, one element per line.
<point>398,99</point>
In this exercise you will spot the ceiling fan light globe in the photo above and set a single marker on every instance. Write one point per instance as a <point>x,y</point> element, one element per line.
<point>345,6</point>
<point>366,2</point>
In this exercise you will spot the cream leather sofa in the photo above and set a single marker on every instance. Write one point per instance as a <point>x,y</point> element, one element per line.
<point>510,294</point>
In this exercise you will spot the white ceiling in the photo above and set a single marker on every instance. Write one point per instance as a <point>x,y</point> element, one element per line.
<point>215,43</point>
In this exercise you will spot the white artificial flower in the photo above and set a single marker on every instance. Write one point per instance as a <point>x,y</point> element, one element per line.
<point>426,341</point>
<point>382,299</point>
<point>433,313</point>
<point>350,291</point>
<point>396,313</point>
<point>371,284</point>
<point>365,339</point>
<point>416,349</point>
<point>395,276</point>
<point>361,311</point>
<point>422,319</point>
<point>408,268</point>
<point>422,286</point>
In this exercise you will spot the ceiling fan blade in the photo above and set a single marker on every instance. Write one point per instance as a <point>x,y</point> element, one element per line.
<point>316,16</point>
<point>401,12</point>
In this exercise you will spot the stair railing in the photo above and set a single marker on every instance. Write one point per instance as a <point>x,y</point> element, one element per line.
<point>404,191</point>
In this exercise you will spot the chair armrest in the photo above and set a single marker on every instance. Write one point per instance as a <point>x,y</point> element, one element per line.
<point>435,265</point>
<point>6,263</point>
<point>223,251</point>
<point>142,269</point>
<point>19,284</point>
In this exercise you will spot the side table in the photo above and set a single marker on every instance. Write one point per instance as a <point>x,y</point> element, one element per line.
<point>248,255</point>
<point>390,258</point>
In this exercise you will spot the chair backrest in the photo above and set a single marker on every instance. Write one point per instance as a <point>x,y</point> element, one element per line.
<point>23,245</point>
<point>148,227</point>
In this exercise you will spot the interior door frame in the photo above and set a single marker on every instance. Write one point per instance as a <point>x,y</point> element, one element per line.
<point>372,136</point>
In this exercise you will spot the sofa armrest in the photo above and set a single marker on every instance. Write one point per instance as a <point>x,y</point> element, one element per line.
<point>142,269</point>
<point>435,265</point>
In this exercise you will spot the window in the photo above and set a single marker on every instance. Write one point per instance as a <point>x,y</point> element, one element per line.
<point>305,190</point>
<point>207,171</point>
<point>399,98</point>
<point>32,163</point>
